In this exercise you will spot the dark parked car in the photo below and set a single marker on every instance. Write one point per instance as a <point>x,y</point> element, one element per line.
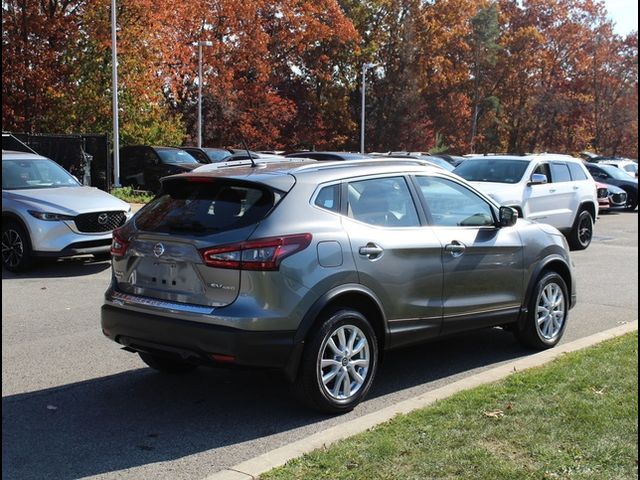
<point>615,176</point>
<point>315,268</point>
<point>142,166</point>
<point>329,156</point>
<point>208,154</point>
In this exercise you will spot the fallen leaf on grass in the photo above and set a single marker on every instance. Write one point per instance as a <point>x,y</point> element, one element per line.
<point>596,391</point>
<point>352,465</point>
<point>494,414</point>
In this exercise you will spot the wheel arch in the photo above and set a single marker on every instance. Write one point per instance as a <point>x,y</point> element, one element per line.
<point>354,296</point>
<point>12,217</point>
<point>552,264</point>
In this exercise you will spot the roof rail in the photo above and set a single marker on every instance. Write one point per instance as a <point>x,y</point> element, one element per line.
<point>366,163</point>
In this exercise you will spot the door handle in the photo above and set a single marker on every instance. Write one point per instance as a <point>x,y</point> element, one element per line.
<point>552,190</point>
<point>575,187</point>
<point>455,248</point>
<point>370,250</point>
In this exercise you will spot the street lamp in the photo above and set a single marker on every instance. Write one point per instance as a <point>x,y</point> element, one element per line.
<point>200,45</point>
<point>114,73</point>
<point>365,67</point>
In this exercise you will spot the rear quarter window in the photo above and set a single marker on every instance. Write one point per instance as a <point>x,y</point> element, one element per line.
<point>203,208</point>
<point>577,172</point>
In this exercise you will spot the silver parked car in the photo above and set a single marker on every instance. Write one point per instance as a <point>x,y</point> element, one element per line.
<point>46,212</point>
<point>316,268</point>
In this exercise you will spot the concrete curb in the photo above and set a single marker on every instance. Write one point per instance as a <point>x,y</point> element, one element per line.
<point>254,467</point>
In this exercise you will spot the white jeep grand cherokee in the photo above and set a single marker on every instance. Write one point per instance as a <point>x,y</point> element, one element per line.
<point>547,188</point>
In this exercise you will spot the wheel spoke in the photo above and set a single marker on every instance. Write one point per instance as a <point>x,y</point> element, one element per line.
<point>329,376</point>
<point>342,340</point>
<point>330,362</point>
<point>338,383</point>
<point>356,376</point>
<point>332,345</point>
<point>352,340</point>
<point>358,348</point>
<point>346,385</point>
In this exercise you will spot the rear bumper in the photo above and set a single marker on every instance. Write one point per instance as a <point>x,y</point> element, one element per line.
<point>197,342</point>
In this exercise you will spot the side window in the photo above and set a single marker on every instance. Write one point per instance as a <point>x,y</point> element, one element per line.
<point>560,172</point>
<point>149,157</point>
<point>577,172</point>
<point>598,173</point>
<point>384,202</point>
<point>451,204</point>
<point>329,198</point>
<point>543,169</point>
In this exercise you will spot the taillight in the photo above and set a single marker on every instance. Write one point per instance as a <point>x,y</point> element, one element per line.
<point>118,244</point>
<point>263,254</point>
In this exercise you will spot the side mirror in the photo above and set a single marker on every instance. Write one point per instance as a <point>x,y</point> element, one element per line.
<point>508,216</point>
<point>538,179</point>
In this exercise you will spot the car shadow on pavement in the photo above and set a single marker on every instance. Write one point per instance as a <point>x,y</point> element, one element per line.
<point>64,268</point>
<point>141,417</point>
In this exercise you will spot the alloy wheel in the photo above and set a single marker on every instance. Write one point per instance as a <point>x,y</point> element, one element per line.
<point>343,363</point>
<point>550,311</point>
<point>12,248</point>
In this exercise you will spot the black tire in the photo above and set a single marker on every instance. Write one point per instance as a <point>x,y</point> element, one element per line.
<point>309,385</point>
<point>531,333</point>
<point>166,364</point>
<point>632,202</point>
<point>582,231</point>
<point>17,255</point>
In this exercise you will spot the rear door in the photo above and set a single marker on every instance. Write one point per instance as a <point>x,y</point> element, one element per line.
<point>482,264</point>
<point>553,201</point>
<point>166,241</point>
<point>396,256</point>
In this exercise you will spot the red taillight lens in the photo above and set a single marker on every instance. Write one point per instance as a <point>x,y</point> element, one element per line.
<point>118,244</point>
<point>263,254</point>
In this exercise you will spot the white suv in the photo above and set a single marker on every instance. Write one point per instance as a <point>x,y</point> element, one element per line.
<point>548,188</point>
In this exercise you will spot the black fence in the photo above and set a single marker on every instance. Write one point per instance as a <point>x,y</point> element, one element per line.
<point>85,156</point>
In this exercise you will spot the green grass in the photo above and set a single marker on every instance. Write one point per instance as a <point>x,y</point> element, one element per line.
<point>130,195</point>
<point>576,418</point>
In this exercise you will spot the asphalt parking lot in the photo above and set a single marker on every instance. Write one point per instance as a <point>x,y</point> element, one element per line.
<point>76,406</point>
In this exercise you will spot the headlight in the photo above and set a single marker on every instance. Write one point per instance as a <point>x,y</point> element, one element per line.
<point>53,217</point>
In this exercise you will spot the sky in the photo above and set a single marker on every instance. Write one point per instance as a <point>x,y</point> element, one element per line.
<point>624,14</point>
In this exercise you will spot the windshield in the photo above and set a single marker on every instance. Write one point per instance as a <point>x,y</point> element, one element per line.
<point>492,170</point>
<point>614,172</point>
<point>175,156</point>
<point>23,174</point>
<point>439,161</point>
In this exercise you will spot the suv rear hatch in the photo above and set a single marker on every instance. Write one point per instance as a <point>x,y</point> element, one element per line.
<point>161,253</point>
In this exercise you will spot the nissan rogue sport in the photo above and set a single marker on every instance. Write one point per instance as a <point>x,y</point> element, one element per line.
<point>315,268</point>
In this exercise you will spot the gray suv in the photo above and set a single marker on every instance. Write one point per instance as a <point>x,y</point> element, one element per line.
<point>316,268</point>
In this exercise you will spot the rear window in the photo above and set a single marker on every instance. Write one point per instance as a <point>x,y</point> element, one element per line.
<point>203,208</point>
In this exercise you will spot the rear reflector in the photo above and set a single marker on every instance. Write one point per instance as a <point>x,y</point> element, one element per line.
<point>218,357</point>
<point>264,254</point>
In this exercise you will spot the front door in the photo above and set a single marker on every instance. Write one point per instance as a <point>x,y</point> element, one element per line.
<point>482,264</point>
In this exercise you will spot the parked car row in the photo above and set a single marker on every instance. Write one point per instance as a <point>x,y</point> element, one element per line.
<point>315,267</point>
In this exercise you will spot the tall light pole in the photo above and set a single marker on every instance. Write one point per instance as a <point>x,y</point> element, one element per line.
<point>365,67</point>
<point>114,73</point>
<point>200,45</point>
